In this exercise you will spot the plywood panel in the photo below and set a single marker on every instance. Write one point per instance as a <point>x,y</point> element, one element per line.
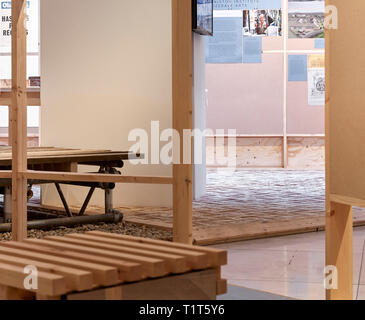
<point>346,101</point>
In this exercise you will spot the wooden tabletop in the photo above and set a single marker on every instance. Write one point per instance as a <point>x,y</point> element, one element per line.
<point>46,155</point>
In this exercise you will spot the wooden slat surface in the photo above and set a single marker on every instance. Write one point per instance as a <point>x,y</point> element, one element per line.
<point>82,262</point>
<point>41,155</point>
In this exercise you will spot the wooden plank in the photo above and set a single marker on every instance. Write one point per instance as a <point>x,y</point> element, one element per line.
<point>76,279</point>
<point>18,120</point>
<point>285,28</point>
<point>347,200</point>
<point>182,96</point>
<point>103,274</point>
<point>49,284</point>
<point>9,293</point>
<point>339,250</point>
<point>33,98</point>
<point>114,293</point>
<point>88,177</point>
<point>153,267</point>
<point>195,260</point>
<point>5,174</point>
<point>175,288</point>
<point>176,263</point>
<point>128,271</point>
<point>345,100</point>
<point>241,232</point>
<point>219,256</point>
<point>199,285</point>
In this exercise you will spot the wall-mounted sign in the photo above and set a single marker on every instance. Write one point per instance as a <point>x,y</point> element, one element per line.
<point>319,44</point>
<point>316,80</point>
<point>246,4</point>
<point>226,44</point>
<point>297,67</point>
<point>32,26</point>
<point>252,50</point>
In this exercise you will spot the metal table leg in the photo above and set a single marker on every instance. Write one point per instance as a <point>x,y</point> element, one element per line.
<point>7,204</point>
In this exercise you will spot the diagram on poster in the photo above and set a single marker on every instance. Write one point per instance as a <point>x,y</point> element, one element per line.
<point>316,80</point>
<point>32,26</point>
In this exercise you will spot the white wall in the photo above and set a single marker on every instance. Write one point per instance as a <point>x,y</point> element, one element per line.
<point>106,69</point>
<point>199,115</point>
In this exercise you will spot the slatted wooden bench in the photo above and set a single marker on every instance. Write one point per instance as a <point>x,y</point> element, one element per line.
<point>98,265</point>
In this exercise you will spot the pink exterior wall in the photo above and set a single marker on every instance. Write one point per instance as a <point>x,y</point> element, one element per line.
<point>249,97</point>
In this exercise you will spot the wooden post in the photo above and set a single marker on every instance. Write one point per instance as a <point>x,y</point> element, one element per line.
<point>339,249</point>
<point>339,219</point>
<point>182,92</point>
<point>19,121</point>
<point>9,126</point>
<point>285,84</point>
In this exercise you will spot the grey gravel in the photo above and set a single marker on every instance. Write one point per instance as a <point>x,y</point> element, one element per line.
<point>127,229</point>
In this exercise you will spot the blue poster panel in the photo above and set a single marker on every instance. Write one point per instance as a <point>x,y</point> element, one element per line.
<point>297,67</point>
<point>252,50</point>
<point>226,44</point>
<point>246,4</point>
<point>319,43</point>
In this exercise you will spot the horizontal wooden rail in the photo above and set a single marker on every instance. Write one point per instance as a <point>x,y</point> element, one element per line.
<point>93,177</point>
<point>347,200</point>
<point>86,177</point>
<point>5,174</point>
<point>33,97</point>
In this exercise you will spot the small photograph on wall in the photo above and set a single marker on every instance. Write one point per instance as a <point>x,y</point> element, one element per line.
<point>306,19</point>
<point>262,23</point>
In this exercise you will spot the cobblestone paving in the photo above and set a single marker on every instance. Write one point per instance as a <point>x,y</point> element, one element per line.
<point>250,196</point>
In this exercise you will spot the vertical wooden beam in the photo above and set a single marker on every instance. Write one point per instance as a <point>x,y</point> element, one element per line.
<point>339,250</point>
<point>9,126</point>
<point>285,27</point>
<point>339,220</point>
<point>19,121</point>
<point>327,154</point>
<point>182,92</point>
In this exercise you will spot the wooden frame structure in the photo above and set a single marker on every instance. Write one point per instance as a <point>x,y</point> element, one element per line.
<point>182,119</point>
<point>345,136</point>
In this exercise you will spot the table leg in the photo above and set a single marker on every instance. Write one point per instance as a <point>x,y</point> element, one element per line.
<point>7,204</point>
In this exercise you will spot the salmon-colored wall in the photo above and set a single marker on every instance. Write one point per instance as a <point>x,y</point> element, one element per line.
<point>249,97</point>
<point>246,97</point>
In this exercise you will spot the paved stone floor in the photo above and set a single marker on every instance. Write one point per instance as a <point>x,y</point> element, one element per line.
<point>250,196</point>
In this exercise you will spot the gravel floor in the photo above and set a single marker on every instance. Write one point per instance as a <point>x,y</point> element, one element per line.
<point>128,229</point>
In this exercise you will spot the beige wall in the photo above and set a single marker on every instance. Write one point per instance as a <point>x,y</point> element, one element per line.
<point>106,69</point>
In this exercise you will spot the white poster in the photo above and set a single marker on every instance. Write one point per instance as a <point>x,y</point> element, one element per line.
<point>316,86</point>
<point>32,26</point>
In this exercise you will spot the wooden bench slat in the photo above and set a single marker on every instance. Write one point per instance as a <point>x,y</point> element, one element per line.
<point>176,263</point>
<point>220,256</point>
<point>103,275</point>
<point>76,280</point>
<point>14,277</point>
<point>195,260</point>
<point>128,271</point>
<point>153,267</point>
